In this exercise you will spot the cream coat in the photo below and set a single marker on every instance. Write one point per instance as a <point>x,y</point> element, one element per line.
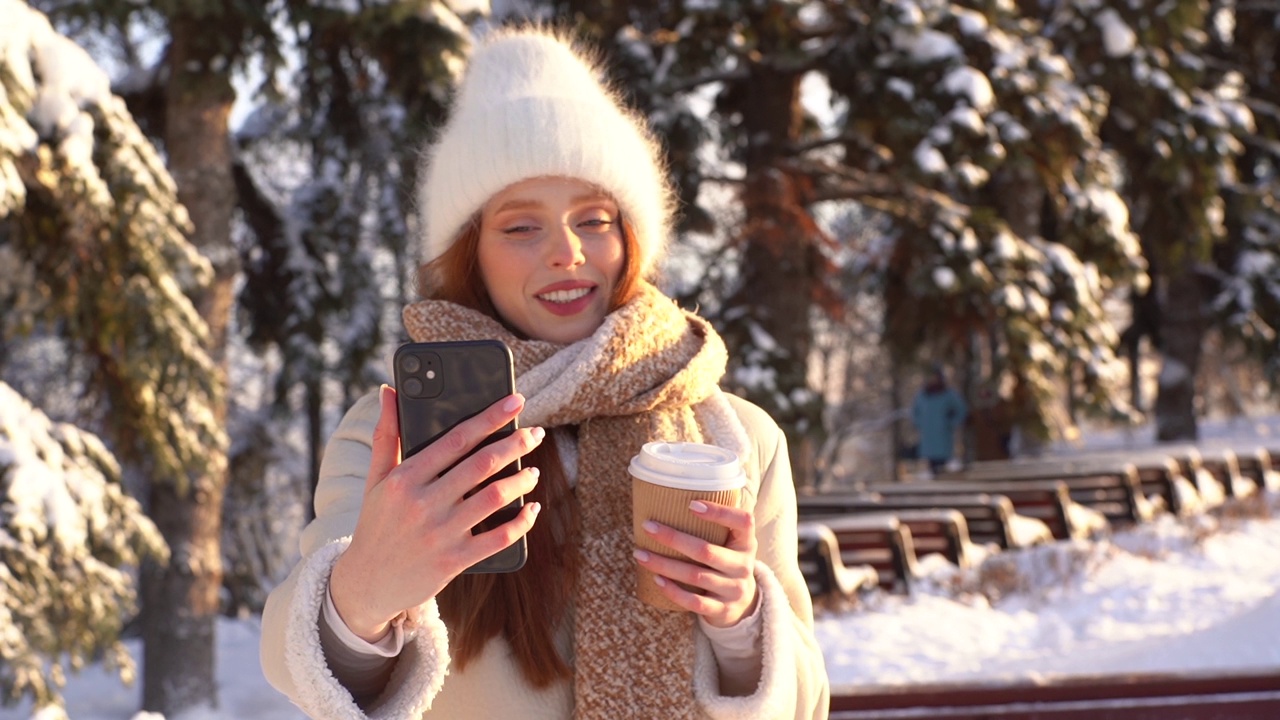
<point>793,682</point>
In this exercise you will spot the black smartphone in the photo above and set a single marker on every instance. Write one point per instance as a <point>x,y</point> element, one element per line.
<point>441,384</point>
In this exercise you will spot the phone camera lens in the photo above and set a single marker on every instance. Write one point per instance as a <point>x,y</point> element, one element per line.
<point>410,363</point>
<point>413,387</point>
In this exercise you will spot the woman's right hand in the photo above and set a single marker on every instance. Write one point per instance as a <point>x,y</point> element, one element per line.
<point>413,535</point>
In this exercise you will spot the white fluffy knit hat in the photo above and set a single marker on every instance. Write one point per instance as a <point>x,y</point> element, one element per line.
<point>532,104</point>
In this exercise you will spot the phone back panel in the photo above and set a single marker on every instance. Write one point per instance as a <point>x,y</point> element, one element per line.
<point>439,385</point>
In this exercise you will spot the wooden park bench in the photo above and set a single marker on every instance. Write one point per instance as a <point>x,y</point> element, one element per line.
<point>1047,501</point>
<point>1159,473</point>
<point>1223,465</point>
<point>1256,464</point>
<point>878,540</point>
<point>1253,462</point>
<point>1116,492</point>
<point>823,568</point>
<point>1162,479</point>
<point>989,519</point>
<point>943,531</point>
<point>1190,461</point>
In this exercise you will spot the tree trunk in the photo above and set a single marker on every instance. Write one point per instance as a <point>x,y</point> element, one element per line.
<point>181,600</point>
<point>779,263</point>
<point>1019,193</point>
<point>1182,332</point>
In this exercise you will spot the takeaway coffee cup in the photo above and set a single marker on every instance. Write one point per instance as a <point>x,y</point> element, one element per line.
<point>665,478</point>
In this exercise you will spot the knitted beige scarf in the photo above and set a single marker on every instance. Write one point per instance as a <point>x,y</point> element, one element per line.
<point>650,372</point>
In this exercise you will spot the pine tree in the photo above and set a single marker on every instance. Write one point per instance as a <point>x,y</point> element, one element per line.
<point>370,82</point>
<point>1246,294</point>
<point>960,126</point>
<point>206,42</point>
<point>974,138</point>
<point>72,537</point>
<point>1175,126</point>
<point>96,253</point>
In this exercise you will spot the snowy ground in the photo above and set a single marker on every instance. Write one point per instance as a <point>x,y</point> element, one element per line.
<point>1201,594</point>
<point>1167,597</point>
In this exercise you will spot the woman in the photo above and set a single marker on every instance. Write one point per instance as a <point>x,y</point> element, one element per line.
<point>546,208</point>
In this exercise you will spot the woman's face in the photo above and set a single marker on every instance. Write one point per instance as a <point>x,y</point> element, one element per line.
<point>551,253</point>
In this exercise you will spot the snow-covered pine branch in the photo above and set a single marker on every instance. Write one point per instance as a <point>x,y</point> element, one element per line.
<point>69,537</point>
<point>93,223</point>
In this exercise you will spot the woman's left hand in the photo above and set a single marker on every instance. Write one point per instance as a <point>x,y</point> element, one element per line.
<point>724,577</point>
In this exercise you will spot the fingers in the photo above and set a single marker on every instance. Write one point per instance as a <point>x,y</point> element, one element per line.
<point>453,445</point>
<point>386,438</point>
<point>725,559</point>
<point>490,543</point>
<point>721,574</point>
<point>495,496</point>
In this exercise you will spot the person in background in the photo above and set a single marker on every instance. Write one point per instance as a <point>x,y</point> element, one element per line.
<point>937,412</point>
<point>546,209</point>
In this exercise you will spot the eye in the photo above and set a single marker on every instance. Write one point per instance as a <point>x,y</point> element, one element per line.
<point>596,221</point>
<point>519,229</point>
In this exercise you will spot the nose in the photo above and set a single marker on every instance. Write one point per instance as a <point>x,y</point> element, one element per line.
<point>564,248</point>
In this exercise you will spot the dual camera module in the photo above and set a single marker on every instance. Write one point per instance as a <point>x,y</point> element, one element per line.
<point>420,374</point>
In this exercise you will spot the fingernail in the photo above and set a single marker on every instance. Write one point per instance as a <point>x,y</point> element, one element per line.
<point>535,472</point>
<point>659,581</point>
<point>641,555</point>
<point>650,526</point>
<point>513,403</point>
<point>698,506</point>
<point>382,395</point>
<point>535,508</point>
<point>538,433</point>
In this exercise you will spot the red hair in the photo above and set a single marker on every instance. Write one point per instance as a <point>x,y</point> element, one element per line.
<point>526,607</point>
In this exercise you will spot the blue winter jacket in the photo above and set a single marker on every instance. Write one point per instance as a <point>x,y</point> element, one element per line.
<point>937,415</point>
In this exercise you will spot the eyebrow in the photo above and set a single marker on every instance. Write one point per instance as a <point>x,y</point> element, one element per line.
<point>534,204</point>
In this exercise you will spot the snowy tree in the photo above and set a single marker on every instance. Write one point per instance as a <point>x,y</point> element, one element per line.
<point>1175,124</point>
<point>974,137</point>
<point>1246,303</point>
<point>95,248</point>
<point>328,256</point>
<point>205,42</point>
<point>69,539</point>
<point>322,173</point>
<point>958,123</point>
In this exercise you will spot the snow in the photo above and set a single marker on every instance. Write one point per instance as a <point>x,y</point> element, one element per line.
<point>971,22</point>
<point>68,80</point>
<point>95,694</point>
<point>929,158</point>
<point>1117,38</point>
<point>944,277</point>
<point>971,84</point>
<point>926,46</point>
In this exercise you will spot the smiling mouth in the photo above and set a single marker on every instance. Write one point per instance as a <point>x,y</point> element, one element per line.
<point>565,296</point>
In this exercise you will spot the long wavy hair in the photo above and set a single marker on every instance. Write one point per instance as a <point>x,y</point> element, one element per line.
<point>526,607</point>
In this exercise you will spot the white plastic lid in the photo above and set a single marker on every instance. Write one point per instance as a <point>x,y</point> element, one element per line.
<point>688,466</point>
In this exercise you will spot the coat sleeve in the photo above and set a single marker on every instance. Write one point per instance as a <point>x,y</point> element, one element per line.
<point>292,658</point>
<point>793,682</point>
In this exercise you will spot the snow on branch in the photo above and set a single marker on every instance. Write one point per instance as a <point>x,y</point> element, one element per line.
<point>97,221</point>
<point>69,537</point>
